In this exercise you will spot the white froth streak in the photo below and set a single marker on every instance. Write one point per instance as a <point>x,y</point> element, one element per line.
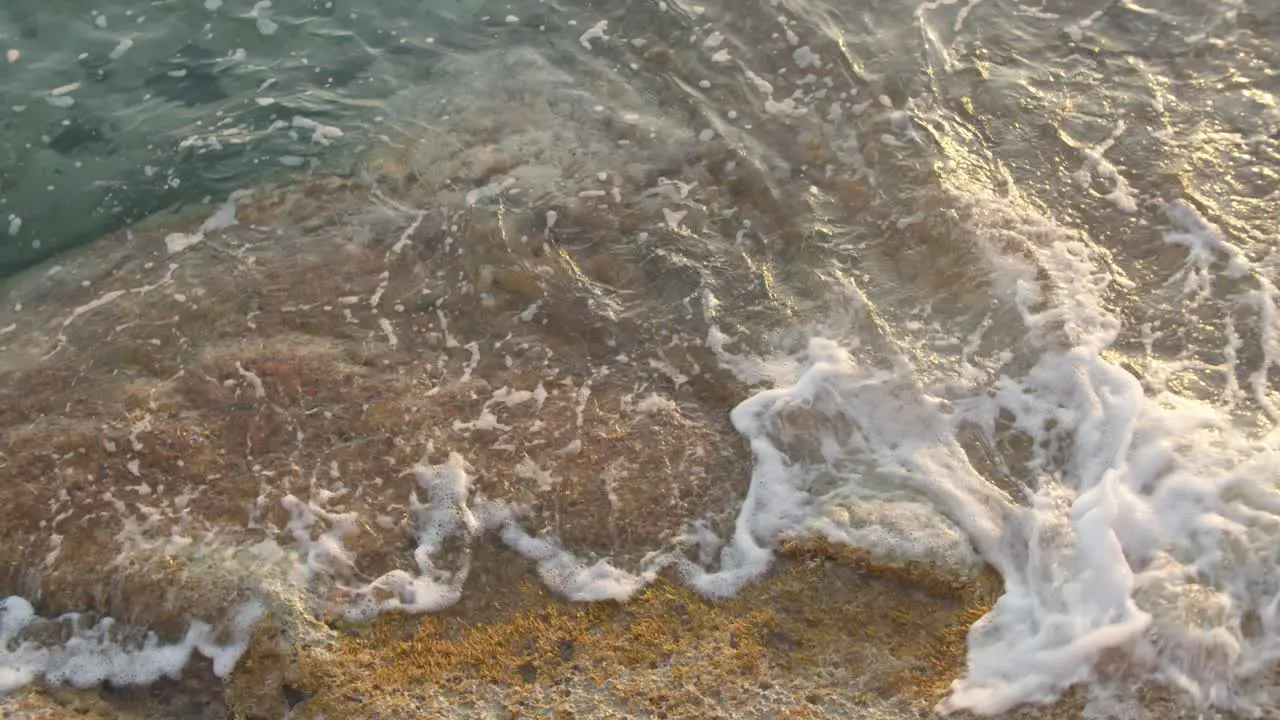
<point>1126,545</point>
<point>1122,194</point>
<point>120,49</point>
<point>446,514</point>
<point>76,312</point>
<point>384,279</point>
<point>1049,637</point>
<point>596,32</point>
<point>265,25</point>
<point>406,237</point>
<point>389,332</point>
<point>222,218</point>
<point>474,349</point>
<point>64,89</point>
<point>91,656</point>
<point>1267,300</point>
<point>323,554</point>
<point>964,14</point>
<point>449,513</point>
<point>565,573</point>
<point>748,369</point>
<point>175,243</point>
<point>1207,244</point>
<point>490,190</point>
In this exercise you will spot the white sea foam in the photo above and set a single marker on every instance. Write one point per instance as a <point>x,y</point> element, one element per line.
<point>120,49</point>
<point>260,13</point>
<point>1124,549</point>
<point>320,133</point>
<point>177,242</point>
<point>848,453</point>
<point>595,32</point>
<point>1145,528</point>
<point>93,655</point>
<point>222,218</point>
<point>452,511</point>
<point>1122,194</point>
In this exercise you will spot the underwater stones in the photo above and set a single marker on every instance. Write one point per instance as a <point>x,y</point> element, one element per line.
<point>197,86</point>
<point>82,133</point>
<point>613,270</point>
<point>520,281</point>
<point>812,148</point>
<point>190,78</point>
<point>478,164</point>
<point>349,67</point>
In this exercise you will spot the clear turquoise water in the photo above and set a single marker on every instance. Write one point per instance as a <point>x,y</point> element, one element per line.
<point>168,104</point>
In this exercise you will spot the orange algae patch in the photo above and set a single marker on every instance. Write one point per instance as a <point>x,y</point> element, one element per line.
<point>917,617</point>
<point>395,659</point>
<point>819,633</point>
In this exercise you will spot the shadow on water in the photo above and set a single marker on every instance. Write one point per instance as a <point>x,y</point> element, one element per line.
<point>189,78</point>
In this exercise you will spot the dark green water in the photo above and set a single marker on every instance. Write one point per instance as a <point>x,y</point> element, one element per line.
<point>112,116</point>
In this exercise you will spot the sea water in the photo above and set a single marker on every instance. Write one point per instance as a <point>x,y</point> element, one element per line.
<point>994,282</point>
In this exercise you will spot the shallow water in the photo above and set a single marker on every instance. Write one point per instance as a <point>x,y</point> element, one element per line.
<point>637,289</point>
